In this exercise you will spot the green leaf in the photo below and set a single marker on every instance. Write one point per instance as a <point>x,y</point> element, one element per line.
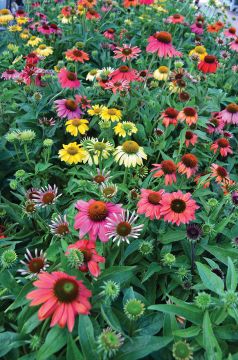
<point>221,253</point>
<point>213,351</point>
<point>110,318</point>
<point>187,333</point>
<point>55,340</point>
<point>172,236</point>
<point>119,274</point>
<point>8,341</point>
<point>73,352</point>
<point>86,338</point>
<point>188,311</point>
<point>141,346</point>
<point>210,280</point>
<point>153,268</point>
<point>231,277</point>
<point>21,297</point>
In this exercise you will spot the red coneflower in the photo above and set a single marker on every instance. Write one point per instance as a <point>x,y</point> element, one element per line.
<point>215,124</point>
<point>129,3</point>
<point>178,208</point>
<point>161,42</point>
<point>190,138</point>
<point>169,116</point>
<point>124,73</point>
<point>223,146</point>
<point>76,55</point>
<point>188,165</point>
<point>166,168</point>
<point>189,114</point>
<point>32,59</point>
<point>208,65</point>
<point>92,14</point>
<point>219,173</point>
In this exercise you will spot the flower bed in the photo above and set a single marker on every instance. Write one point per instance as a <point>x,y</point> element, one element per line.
<point>119,195</point>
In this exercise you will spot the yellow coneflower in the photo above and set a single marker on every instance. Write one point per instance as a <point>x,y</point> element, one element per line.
<point>34,41</point>
<point>95,110</point>
<point>199,51</point>
<point>44,50</point>
<point>111,114</point>
<point>25,34</point>
<point>77,126</point>
<point>15,28</point>
<point>22,20</point>
<point>162,73</point>
<point>5,16</point>
<point>125,128</point>
<point>72,153</point>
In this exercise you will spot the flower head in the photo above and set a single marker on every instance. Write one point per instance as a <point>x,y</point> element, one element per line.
<point>129,154</point>
<point>72,153</point>
<point>125,128</point>
<point>161,43</point>
<point>68,79</point>
<point>149,203</point>
<point>68,108</point>
<point>59,226</point>
<point>34,264</point>
<point>188,165</point>
<point>46,196</point>
<point>77,126</point>
<point>126,52</point>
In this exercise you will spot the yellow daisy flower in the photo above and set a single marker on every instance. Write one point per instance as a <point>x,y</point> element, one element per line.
<point>162,73</point>
<point>125,128</point>
<point>199,51</point>
<point>110,114</point>
<point>95,110</point>
<point>77,126</point>
<point>34,41</point>
<point>5,16</point>
<point>25,34</point>
<point>15,28</point>
<point>72,153</point>
<point>44,50</point>
<point>22,20</point>
<point>130,154</point>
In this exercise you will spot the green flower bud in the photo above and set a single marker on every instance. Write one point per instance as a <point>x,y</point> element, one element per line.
<point>230,298</point>
<point>168,259</point>
<point>20,173</point>
<point>146,247</point>
<point>13,184</point>
<point>104,125</point>
<point>111,289</point>
<point>8,258</point>
<point>109,342</point>
<point>134,309</point>
<point>203,300</point>
<point>26,135</point>
<point>11,136</point>
<point>182,351</point>
<point>48,142</point>
<point>208,229</point>
<point>212,202</point>
<point>94,53</point>
<point>79,45</point>
<point>2,212</point>
<point>37,96</point>
<point>35,342</point>
<point>178,64</point>
<point>75,258</point>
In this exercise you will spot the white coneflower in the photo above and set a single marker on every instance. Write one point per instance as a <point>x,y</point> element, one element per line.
<point>59,226</point>
<point>121,227</point>
<point>92,74</point>
<point>129,154</point>
<point>46,196</point>
<point>101,177</point>
<point>108,190</point>
<point>34,264</point>
<point>97,149</point>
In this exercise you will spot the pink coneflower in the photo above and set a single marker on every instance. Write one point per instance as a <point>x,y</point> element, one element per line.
<point>234,45</point>
<point>34,264</point>
<point>146,2</point>
<point>59,226</point>
<point>219,173</point>
<point>92,218</point>
<point>178,208</point>
<point>230,33</point>
<point>61,296</point>
<point>190,138</point>
<point>149,203</point>
<point>68,79</point>
<point>76,55</point>
<point>170,116</point>
<point>45,29</point>
<point>10,74</point>
<point>46,196</point>
<point>175,19</point>
<point>84,102</point>
<point>121,227</point>
<point>215,124</point>
<point>230,114</point>
<point>68,108</point>
<point>110,34</point>
<point>161,42</point>
<point>208,65</point>
<point>126,52</point>
<point>197,28</point>
<point>223,146</point>
<point>91,258</point>
<point>189,114</point>
<point>123,73</point>
<point>117,86</point>
<point>188,165</point>
<point>166,168</point>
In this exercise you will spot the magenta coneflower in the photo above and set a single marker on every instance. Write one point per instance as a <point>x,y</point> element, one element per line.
<point>230,33</point>
<point>68,108</point>
<point>61,296</point>
<point>116,86</point>
<point>45,29</point>
<point>188,165</point>
<point>175,19</point>
<point>46,196</point>
<point>34,264</point>
<point>223,146</point>
<point>234,45</point>
<point>161,42</point>
<point>121,227</point>
<point>149,203</point>
<point>178,208</point>
<point>123,73</point>
<point>169,116</point>
<point>126,52</point>
<point>197,28</point>
<point>230,114</point>
<point>59,226</point>
<point>10,74</point>
<point>68,79</point>
<point>92,218</point>
<point>190,138</point>
<point>166,168</point>
<point>219,173</point>
<point>146,2</point>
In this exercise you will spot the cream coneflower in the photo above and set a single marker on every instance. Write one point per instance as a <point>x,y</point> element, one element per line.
<point>120,228</point>
<point>130,154</point>
<point>97,149</point>
<point>162,73</point>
